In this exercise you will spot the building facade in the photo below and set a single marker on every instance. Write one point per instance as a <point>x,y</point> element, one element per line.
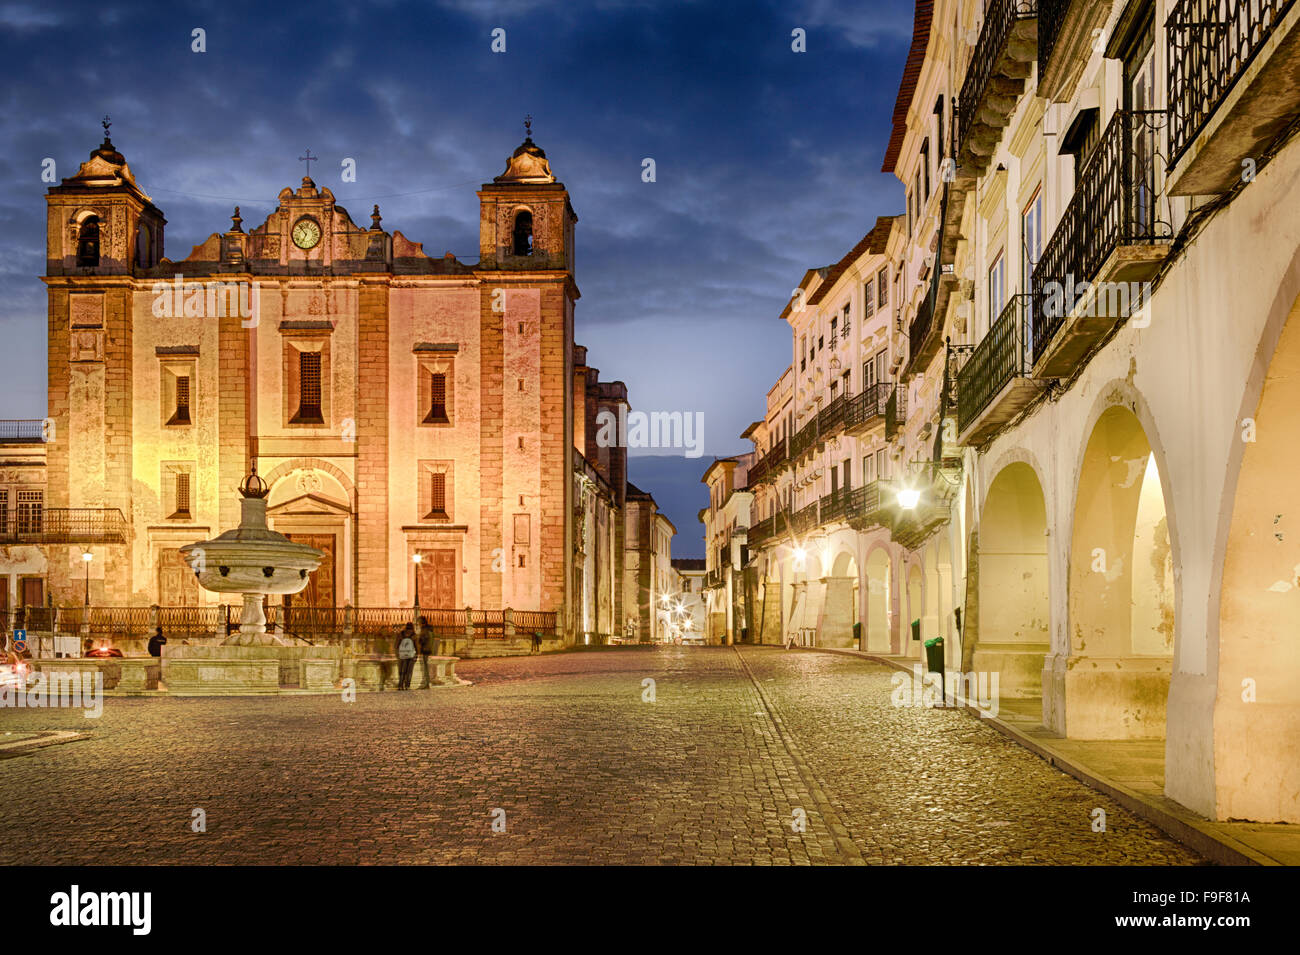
<point>400,405</point>
<point>1092,360</point>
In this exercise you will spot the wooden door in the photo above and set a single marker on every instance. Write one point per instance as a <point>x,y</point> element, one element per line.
<point>32,592</point>
<point>177,585</point>
<point>437,571</point>
<point>319,591</point>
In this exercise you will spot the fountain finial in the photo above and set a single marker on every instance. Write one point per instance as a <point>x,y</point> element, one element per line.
<point>254,486</point>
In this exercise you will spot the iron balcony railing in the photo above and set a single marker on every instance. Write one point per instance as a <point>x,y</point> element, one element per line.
<point>23,431</point>
<point>895,412</point>
<point>1003,355</point>
<point>804,439</point>
<point>757,471</point>
<point>954,361</point>
<point>865,505</point>
<point>919,330</point>
<point>999,20</point>
<point>1051,18</point>
<point>868,405</point>
<point>1116,202</point>
<point>832,416</point>
<point>1211,44</point>
<point>760,532</point>
<point>804,519</point>
<point>62,525</point>
<point>835,505</point>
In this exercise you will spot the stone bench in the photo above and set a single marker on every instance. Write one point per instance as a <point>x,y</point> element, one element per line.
<point>122,674</point>
<point>380,673</point>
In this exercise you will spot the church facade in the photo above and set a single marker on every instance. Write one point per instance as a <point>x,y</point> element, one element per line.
<point>413,414</point>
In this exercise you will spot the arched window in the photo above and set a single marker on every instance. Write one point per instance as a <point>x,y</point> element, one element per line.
<point>88,243</point>
<point>143,250</point>
<point>523,237</point>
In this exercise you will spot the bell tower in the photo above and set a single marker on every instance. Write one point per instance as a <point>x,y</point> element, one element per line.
<point>525,219</point>
<point>99,222</point>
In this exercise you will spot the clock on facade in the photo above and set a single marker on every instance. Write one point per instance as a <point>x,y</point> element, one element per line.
<point>306,232</point>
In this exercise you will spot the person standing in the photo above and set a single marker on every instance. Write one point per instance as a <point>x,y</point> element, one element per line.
<point>156,643</point>
<point>406,650</point>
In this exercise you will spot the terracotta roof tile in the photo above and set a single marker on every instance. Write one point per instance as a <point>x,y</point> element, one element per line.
<point>911,72</point>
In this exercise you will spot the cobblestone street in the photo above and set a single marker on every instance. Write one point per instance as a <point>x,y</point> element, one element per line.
<point>713,771</point>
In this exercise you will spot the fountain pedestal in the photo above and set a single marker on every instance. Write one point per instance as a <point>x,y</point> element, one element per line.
<point>251,560</point>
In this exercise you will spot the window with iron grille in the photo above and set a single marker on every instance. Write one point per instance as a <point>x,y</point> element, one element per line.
<point>309,386</point>
<point>182,413</point>
<point>182,494</point>
<point>438,496</point>
<point>437,399</point>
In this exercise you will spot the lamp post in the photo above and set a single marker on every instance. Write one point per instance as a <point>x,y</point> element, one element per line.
<point>86,558</point>
<point>416,559</point>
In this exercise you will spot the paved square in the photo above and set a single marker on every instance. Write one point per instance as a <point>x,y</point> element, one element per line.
<point>713,771</point>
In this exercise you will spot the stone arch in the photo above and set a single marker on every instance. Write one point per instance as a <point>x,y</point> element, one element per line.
<point>1012,588</point>
<point>1256,736</point>
<point>1115,681</point>
<point>521,231</point>
<point>316,464</point>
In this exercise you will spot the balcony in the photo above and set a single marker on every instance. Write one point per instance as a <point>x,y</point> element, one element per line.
<point>996,382</point>
<point>804,519</point>
<point>832,416</point>
<point>804,439</point>
<point>867,408</point>
<point>866,506</point>
<point>756,473</point>
<point>1232,88</point>
<point>22,431</point>
<point>912,526</point>
<point>835,506</point>
<point>1096,269</point>
<point>995,79</point>
<point>63,525</point>
<point>895,412</point>
<point>1066,35</point>
<point>760,533</point>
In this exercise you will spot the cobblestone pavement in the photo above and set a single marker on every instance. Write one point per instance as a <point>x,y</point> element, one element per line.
<point>716,770</point>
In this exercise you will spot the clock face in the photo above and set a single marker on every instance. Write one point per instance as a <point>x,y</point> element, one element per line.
<point>306,232</point>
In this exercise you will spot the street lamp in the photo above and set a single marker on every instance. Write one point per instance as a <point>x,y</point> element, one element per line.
<point>908,498</point>
<point>416,558</point>
<point>86,558</point>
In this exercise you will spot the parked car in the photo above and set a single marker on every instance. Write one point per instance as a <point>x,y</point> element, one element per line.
<point>15,673</point>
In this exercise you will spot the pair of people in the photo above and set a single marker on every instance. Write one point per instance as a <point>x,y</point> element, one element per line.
<point>408,647</point>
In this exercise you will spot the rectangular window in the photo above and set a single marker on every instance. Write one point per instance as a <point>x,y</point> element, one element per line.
<point>309,386</point>
<point>868,468</point>
<point>846,313</point>
<point>869,300</point>
<point>997,288</point>
<point>437,399</point>
<point>882,465</point>
<point>438,496</point>
<point>925,170</point>
<point>882,282</point>
<point>833,323</point>
<point>31,511</point>
<point>882,363</point>
<point>868,374</point>
<point>1032,236</point>
<point>182,415</point>
<point>182,494</point>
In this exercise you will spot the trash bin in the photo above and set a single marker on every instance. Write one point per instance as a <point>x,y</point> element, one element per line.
<point>857,636</point>
<point>916,629</point>
<point>934,654</point>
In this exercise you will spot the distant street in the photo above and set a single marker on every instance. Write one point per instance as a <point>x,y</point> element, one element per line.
<point>715,770</point>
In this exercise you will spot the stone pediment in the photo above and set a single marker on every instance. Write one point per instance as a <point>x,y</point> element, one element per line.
<point>309,504</point>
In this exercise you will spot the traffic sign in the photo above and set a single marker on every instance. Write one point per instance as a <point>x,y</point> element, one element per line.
<point>20,641</point>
